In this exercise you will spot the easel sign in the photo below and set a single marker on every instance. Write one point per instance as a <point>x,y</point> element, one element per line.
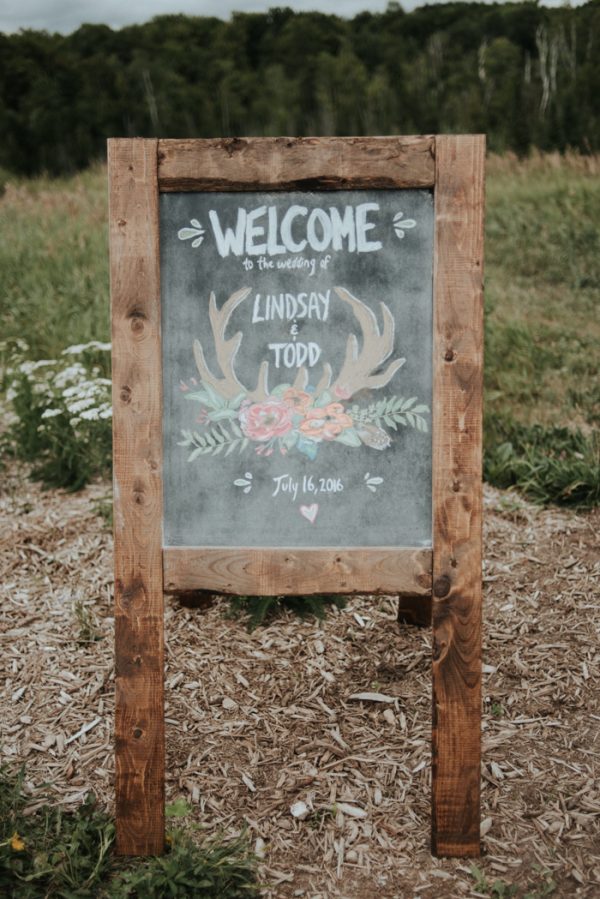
<point>297,377</point>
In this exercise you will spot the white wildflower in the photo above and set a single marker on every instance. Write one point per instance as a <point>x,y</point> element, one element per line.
<point>68,392</point>
<point>81,347</point>
<point>69,374</point>
<point>106,413</point>
<point>90,415</point>
<point>75,349</point>
<point>27,368</point>
<point>51,413</point>
<point>79,405</point>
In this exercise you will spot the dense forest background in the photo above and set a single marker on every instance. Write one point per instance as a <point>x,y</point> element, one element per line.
<point>525,74</point>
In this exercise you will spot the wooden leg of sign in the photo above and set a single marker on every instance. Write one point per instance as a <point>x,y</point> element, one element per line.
<point>457,504</point>
<point>137,448</point>
<point>415,610</point>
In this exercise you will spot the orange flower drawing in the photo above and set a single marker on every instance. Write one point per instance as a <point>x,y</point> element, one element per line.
<point>298,400</point>
<point>326,423</point>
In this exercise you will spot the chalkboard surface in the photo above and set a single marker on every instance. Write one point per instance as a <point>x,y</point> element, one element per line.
<point>297,368</point>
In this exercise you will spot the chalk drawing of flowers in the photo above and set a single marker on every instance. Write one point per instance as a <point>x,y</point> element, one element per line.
<point>264,421</point>
<point>299,417</point>
<point>325,422</point>
<point>196,231</point>
<point>401,224</point>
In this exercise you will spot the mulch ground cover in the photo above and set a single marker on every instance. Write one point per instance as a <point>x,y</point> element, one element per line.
<point>260,723</point>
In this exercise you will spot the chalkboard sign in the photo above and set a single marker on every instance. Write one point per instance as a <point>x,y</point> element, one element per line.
<point>297,368</point>
<point>297,383</point>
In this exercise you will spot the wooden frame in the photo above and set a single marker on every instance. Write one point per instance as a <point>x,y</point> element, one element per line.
<point>448,577</point>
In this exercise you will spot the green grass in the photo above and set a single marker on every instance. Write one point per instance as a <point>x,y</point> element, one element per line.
<point>543,293</point>
<point>542,299</point>
<point>542,399</point>
<point>541,886</point>
<point>54,262</point>
<point>260,610</point>
<point>52,853</point>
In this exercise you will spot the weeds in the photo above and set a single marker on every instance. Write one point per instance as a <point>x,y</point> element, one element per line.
<point>215,870</point>
<point>103,508</point>
<point>497,709</point>
<point>51,852</point>
<point>61,413</point>
<point>501,889</point>
<point>261,609</point>
<point>86,621</point>
<point>69,854</point>
<point>545,887</point>
<point>552,464</point>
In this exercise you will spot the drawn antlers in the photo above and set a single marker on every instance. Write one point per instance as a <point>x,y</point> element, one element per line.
<point>228,386</point>
<point>359,366</point>
<point>359,370</point>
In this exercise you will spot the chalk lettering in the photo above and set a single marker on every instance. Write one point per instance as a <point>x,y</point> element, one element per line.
<point>259,232</point>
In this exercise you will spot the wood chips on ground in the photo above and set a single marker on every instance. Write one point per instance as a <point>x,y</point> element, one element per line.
<point>257,723</point>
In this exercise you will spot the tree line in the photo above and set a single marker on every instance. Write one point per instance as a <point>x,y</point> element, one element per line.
<point>525,74</point>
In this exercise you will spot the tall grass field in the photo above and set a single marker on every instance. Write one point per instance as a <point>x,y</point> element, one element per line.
<point>542,325</point>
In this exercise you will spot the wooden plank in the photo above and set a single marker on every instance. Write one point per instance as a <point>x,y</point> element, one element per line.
<point>137,458</point>
<point>264,572</point>
<point>296,163</point>
<point>457,504</point>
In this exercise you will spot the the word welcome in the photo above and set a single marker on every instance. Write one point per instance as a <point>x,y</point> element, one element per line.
<point>259,232</point>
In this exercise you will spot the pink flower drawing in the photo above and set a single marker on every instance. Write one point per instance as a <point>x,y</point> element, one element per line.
<point>266,420</point>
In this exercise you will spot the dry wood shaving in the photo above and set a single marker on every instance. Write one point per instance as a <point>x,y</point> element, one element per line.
<point>259,723</point>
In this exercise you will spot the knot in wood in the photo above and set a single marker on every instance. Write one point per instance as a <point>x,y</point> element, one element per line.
<point>125,395</point>
<point>449,355</point>
<point>137,733</point>
<point>138,494</point>
<point>132,593</point>
<point>136,314</point>
<point>437,652</point>
<point>233,145</point>
<point>441,586</point>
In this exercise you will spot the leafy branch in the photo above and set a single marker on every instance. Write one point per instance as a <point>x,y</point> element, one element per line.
<point>392,412</point>
<point>214,441</point>
<point>219,407</point>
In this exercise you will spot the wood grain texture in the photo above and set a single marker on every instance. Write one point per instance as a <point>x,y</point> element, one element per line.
<point>137,459</point>
<point>457,502</point>
<point>296,163</point>
<point>264,572</point>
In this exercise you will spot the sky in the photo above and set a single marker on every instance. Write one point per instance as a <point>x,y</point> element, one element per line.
<point>66,15</point>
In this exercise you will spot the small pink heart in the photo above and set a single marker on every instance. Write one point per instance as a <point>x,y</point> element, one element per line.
<point>310,512</point>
